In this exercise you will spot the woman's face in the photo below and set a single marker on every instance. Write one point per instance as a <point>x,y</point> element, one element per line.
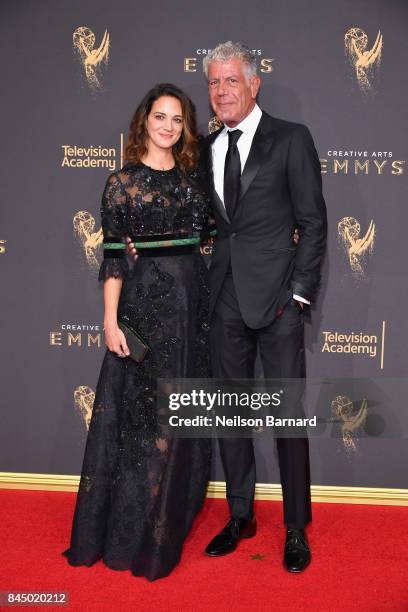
<point>164,123</point>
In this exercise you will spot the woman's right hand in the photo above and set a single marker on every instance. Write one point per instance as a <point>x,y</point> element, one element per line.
<point>131,249</point>
<point>115,340</point>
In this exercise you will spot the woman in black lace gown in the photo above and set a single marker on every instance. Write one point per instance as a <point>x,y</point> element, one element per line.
<point>140,489</point>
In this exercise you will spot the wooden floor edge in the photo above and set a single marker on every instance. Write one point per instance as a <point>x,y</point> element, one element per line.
<point>264,491</point>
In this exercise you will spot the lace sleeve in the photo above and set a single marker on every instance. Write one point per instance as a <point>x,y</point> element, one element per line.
<point>209,229</point>
<point>113,215</point>
<point>203,219</point>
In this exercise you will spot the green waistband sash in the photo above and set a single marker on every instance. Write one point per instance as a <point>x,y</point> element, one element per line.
<point>114,245</point>
<point>154,244</point>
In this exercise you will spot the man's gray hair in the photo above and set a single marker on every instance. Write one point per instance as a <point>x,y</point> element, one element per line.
<point>228,50</point>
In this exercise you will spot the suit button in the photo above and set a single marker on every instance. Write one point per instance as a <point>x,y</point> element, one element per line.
<point>234,234</point>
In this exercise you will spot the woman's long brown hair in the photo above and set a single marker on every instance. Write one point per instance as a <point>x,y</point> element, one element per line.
<point>185,150</point>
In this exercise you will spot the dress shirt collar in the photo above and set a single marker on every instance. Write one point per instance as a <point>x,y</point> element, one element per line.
<point>249,124</point>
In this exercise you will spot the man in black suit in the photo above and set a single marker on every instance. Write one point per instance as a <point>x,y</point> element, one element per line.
<point>265,181</point>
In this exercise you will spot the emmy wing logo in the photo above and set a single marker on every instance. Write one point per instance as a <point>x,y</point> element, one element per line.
<point>214,124</point>
<point>357,249</point>
<point>84,399</point>
<point>351,419</point>
<point>363,60</point>
<point>92,58</point>
<point>84,225</point>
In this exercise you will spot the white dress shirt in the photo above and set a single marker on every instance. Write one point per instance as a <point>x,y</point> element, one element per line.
<point>248,127</point>
<point>219,148</point>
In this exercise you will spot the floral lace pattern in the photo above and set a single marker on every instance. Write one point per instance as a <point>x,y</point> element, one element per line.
<point>140,489</point>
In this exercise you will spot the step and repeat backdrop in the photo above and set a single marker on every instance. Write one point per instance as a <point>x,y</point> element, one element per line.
<point>73,73</point>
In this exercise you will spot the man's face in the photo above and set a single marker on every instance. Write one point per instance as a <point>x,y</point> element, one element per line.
<point>232,92</point>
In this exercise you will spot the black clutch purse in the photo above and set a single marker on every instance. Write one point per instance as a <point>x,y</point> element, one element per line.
<point>136,343</point>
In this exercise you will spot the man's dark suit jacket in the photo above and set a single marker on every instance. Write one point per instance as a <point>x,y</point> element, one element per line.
<point>281,189</point>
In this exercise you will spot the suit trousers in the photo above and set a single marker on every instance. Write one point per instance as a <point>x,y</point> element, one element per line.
<point>233,352</point>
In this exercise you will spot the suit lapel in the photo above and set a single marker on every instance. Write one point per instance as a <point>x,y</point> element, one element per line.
<point>213,193</point>
<point>258,154</point>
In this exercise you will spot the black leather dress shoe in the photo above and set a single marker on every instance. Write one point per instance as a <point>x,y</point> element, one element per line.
<point>226,541</point>
<point>297,552</point>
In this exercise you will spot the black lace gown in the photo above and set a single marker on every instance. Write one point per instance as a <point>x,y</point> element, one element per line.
<point>140,489</point>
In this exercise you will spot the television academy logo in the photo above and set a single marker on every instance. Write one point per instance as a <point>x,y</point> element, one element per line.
<point>363,60</point>
<point>355,343</point>
<point>356,248</point>
<point>93,156</point>
<point>84,398</point>
<point>91,241</point>
<point>2,246</point>
<point>91,58</point>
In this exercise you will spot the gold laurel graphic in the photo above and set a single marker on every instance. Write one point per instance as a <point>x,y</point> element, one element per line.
<point>84,225</point>
<point>356,248</point>
<point>363,60</point>
<point>84,399</point>
<point>214,124</point>
<point>92,59</point>
<point>343,407</point>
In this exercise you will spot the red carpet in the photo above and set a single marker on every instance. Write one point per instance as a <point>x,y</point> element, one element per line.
<point>360,562</point>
